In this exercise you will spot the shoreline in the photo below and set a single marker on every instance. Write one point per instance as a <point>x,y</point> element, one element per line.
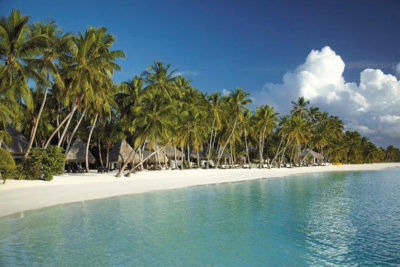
<point>22,195</point>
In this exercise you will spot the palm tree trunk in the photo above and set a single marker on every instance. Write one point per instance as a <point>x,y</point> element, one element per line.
<point>174,155</point>
<point>69,142</point>
<point>36,123</point>
<point>260,152</point>
<point>133,162</point>
<point>88,143</point>
<point>247,147</point>
<point>67,126</point>
<point>229,138</point>
<point>100,156</point>
<point>209,146</point>
<point>188,156</point>
<point>183,157</point>
<point>123,167</point>
<point>141,162</point>
<point>108,157</point>
<point>198,158</point>
<point>58,121</point>
<point>58,128</point>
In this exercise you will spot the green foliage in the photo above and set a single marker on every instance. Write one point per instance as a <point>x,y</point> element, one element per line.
<point>7,164</point>
<point>42,163</point>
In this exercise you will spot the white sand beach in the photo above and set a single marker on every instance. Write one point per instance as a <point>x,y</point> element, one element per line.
<point>18,196</point>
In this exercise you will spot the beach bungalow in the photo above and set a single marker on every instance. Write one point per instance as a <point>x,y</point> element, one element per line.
<point>76,154</point>
<point>122,153</point>
<point>18,144</point>
<point>170,153</point>
<point>312,157</point>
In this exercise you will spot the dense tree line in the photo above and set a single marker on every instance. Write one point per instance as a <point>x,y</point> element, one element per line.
<point>55,86</point>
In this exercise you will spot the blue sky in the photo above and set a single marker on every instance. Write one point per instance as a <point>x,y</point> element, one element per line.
<point>225,44</point>
<point>341,55</point>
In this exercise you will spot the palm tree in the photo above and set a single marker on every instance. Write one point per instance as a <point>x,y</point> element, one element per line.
<point>265,120</point>
<point>161,78</point>
<point>57,46</point>
<point>18,45</point>
<point>236,104</point>
<point>215,105</point>
<point>300,108</point>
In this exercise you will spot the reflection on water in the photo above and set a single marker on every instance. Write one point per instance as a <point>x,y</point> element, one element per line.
<point>318,219</point>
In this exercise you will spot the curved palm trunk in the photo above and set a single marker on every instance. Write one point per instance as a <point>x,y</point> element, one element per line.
<point>88,143</point>
<point>60,141</point>
<point>58,128</point>
<point>209,146</point>
<point>36,123</point>
<point>132,170</point>
<point>123,167</point>
<point>100,156</point>
<point>141,162</point>
<point>69,142</point>
<point>229,138</point>
<point>108,157</point>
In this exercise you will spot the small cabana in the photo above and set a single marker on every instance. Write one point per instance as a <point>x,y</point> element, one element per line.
<point>122,152</point>
<point>157,157</point>
<point>18,144</point>
<point>170,152</point>
<point>312,157</point>
<point>77,153</point>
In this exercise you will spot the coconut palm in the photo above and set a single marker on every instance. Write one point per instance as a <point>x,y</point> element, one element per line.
<point>161,78</point>
<point>18,44</point>
<point>57,46</point>
<point>236,105</point>
<point>264,121</point>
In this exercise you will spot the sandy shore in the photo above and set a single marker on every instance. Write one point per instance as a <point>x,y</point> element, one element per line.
<point>17,196</point>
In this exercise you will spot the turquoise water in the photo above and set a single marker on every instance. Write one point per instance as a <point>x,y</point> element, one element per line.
<point>316,219</point>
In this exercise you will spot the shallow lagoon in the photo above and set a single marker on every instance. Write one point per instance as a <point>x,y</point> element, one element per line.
<point>344,218</point>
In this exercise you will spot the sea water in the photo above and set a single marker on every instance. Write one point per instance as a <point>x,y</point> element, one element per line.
<point>343,218</point>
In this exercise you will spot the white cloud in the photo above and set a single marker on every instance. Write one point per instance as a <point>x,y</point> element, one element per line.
<point>389,118</point>
<point>187,73</point>
<point>398,68</point>
<point>225,92</point>
<point>371,107</point>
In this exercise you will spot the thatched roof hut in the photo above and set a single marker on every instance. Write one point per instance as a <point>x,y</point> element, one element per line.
<point>169,152</point>
<point>18,145</point>
<point>122,152</point>
<point>202,154</point>
<point>312,154</point>
<point>77,153</point>
<point>157,157</point>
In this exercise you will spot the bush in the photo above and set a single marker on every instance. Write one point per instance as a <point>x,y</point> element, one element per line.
<point>42,163</point>
<point>7,164</point>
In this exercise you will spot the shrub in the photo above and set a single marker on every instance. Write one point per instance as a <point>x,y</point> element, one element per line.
<point>7,164</point>
<point>42,163</point>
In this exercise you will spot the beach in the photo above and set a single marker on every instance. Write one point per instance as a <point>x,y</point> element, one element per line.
<point>22,195</point>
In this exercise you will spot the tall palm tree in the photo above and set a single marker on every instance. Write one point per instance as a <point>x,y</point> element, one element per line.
<point>236,104</point>
<point>265,120</point>
<point>215,105</point>
<point>18,44</point>
<point>57,46</point>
